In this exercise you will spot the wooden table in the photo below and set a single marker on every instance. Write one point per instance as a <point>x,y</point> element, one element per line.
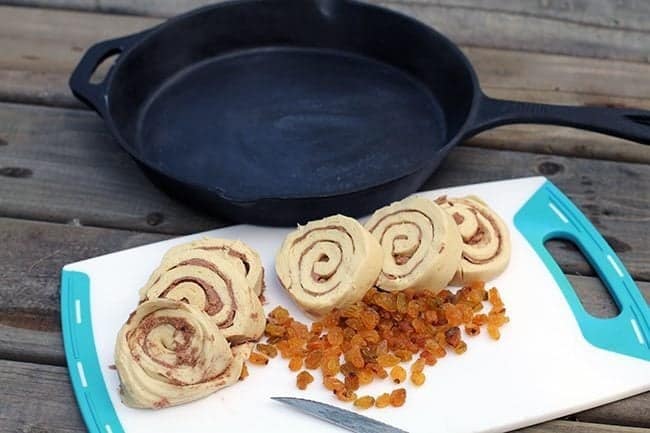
<point>67,191</point>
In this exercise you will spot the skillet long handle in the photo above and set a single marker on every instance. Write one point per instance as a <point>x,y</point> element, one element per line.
<point>94,95</point>
<point>630,124</point>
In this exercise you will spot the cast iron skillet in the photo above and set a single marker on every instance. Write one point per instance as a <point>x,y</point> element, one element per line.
<point>277,112</point>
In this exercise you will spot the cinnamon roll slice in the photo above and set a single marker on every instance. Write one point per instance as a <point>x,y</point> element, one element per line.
<point>240,255</point>
<point>486,240</point>
<point>214,285</point>
<point>421,245</point>
<point>169,353</point>
<point>328,263</point>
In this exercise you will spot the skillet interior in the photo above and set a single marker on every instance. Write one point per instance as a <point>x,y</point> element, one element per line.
<point>290,99</point>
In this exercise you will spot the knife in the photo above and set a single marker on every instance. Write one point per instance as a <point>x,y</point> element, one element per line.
<point>343,418</point>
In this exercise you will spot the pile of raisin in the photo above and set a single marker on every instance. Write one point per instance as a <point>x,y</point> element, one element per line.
<point>369,340</point>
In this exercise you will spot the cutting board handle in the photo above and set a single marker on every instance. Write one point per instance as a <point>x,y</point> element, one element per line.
<point>81,354</point>
<point>549,214</point>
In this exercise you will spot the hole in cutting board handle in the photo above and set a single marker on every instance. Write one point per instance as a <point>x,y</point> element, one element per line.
<point>585,281</point>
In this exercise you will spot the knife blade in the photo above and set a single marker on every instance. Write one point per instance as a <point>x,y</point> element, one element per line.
<point>343,418</point>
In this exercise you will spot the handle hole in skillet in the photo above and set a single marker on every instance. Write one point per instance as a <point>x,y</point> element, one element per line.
<point>591,290</point>
<point>101,71</point>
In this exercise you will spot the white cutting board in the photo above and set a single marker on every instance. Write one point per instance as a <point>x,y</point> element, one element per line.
<point>542,368</point>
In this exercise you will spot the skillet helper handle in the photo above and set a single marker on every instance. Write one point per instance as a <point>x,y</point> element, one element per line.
<point>94,95</point>
<point>549,214</point>
<point>630,124</point>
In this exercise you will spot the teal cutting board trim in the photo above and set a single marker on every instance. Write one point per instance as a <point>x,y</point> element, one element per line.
<point>549,214</point>
<point>80,352</point>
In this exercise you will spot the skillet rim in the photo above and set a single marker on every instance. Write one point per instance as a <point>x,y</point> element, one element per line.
<point>152,32</point>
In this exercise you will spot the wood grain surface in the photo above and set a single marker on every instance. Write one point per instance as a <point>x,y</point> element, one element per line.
<point>599,28</point>
<point>68,192</point>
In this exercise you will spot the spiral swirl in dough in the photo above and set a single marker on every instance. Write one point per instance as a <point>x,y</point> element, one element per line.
<point>213,284</point>
<point>170,353</point>
<point>328,263</point>
<point>421,245</point>
<point>241,256</point>
<point>486,240</point>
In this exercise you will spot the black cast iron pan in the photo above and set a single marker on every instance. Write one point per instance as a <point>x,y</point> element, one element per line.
<point>277,112</point>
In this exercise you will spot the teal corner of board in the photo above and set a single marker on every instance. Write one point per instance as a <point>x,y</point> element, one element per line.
<point>80,352</point>
<point>549,214</point>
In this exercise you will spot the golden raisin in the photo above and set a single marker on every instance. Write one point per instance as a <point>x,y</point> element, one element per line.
<point>317,328</point>
<point>417,377</point>
<point>460,348</point>
<point>354,357</point>
<point>479,319</point>
<point>244,372</point>
<point>383,400</point>
<point>370,336</point>
<point>366,376</point>
<point>418,366</point>
<point>378,370</point>
<point>493,332</point>
<point>364,402</point>
<point>330,365</point>
<point>472,329</point>
<point>267,350</point>
<point>303,379</point>
<point>280,315</point>
<point>429,358</point>
<point>347,368</point>
<point>258,359</point>
<point>333,384</point>
<point>345,395</point>
<point>352,311</point>
<point>274,330</point>
<point>352,381</point>
<point>369,319</point>
<point>401,302</point>
<point>295,364</point>
<point>403,354</point>
<point>398,374</point>
<point>388,360</point>
<point>335,336</point>
<point>452,336</point>
<point>313,359</point>
<point>398,397</point>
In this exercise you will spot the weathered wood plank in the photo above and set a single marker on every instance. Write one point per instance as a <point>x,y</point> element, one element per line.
<point>35,72</point>
<point>631,412</point>
<point>32,255</point>
<point>37,411</point>
<point>29,345</point>
<point>562,426</point>
<point>61,165</point>
<point>604,28</point>
<point>37,398</point>
<point>34,252</point>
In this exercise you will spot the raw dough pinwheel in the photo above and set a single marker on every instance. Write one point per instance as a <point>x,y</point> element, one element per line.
<point>240,255</point>
<point>421,245</point>
<point>212,283</point>
<point>328,263</point>
<point>170,353</point>
<point>486,241</point>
